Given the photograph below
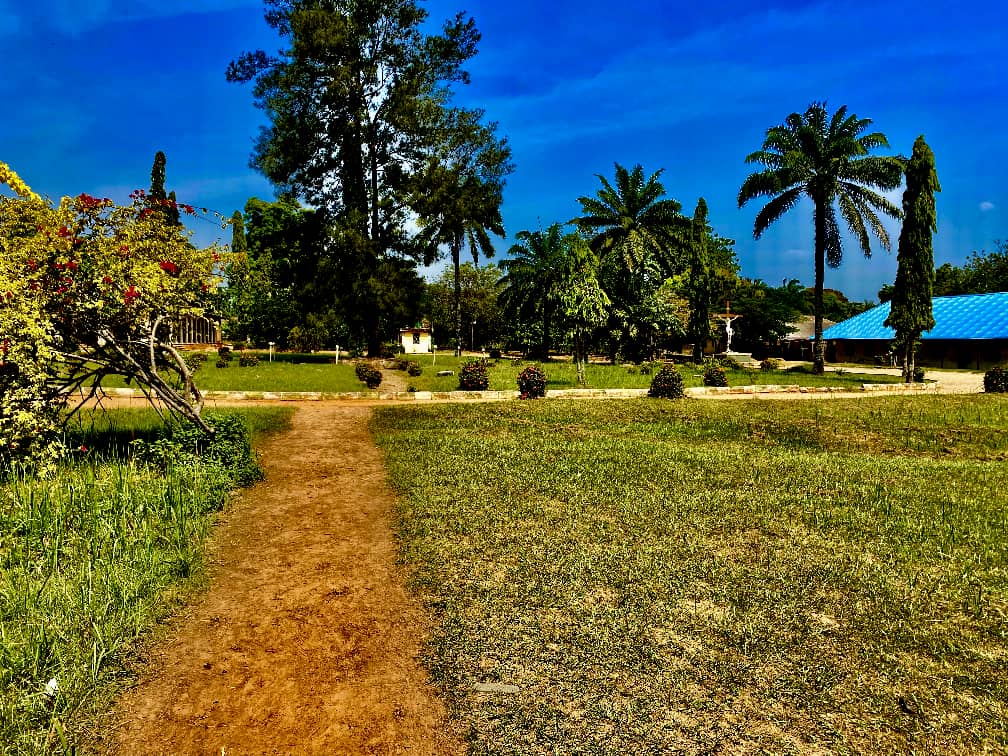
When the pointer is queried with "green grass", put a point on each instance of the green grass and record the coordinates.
(92, 557)
(291, 372)
(562, 375)
(702, 577)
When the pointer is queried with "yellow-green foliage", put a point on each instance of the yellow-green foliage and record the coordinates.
(81, 283)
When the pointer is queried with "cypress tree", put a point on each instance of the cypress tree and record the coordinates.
(699, 284)
(157, 198)
(910, 309)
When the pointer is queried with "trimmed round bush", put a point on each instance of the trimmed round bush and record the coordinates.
(473, 376)
(996, 380)
(715, 375)
(532, 382)
(222, 363)
(414, 369)
(246, 359)
(667, 384)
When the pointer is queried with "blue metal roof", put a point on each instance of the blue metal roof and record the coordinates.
(969, 316)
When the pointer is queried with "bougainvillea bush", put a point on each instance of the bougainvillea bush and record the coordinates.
(667, 384)
(90, 289)
(532, 383)
(996, 380)
(473, 376)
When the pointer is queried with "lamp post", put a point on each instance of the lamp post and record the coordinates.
(472, 337)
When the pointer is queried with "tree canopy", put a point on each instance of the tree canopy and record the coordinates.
(826, 158)
(359, 107)
(89, 289)
(910, 311)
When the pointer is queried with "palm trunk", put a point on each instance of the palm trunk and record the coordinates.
(456, 253)
(818, 348)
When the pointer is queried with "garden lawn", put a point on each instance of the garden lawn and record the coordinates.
(503, 375)
(315, 373)
(92, 556)
(696, 576)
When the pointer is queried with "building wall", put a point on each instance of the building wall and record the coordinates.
(415, 342)
(972, 354)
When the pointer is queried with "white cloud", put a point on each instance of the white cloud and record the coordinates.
(986, 207)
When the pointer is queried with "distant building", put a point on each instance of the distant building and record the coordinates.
(971, 331)
(196, 331)
(797, 345)
(416, 340)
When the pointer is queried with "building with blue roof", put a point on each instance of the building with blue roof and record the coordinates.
(971, 331)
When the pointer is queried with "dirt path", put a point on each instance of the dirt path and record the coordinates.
(306, 642)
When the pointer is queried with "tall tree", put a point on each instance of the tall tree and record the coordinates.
(583, 303)
(827, 159)
(460, 194)
(158, 199)
(356, 106)
(910, 308)
(632, 220)
(699, 281)
(528, 288)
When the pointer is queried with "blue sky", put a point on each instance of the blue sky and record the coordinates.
(92, 91)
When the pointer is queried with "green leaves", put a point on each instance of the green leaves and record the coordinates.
(825, 158)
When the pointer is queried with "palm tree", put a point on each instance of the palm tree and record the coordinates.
(827, 159)
(460, 198)
(632, 220)
(532, 276)
(467, 210)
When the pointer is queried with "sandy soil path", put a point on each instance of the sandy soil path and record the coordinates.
(306, 642)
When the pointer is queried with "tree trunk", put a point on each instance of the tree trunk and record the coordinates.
(456, 253)
(580, 357)
(818, 348)
(544, 346)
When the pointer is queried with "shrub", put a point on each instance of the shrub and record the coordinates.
(222, 363)
(771, 364)
(224, 353)
(714, 375)
(183, 444)
(248, 360)
(495, 353)
(645, 369)
(414, 369)
(918, 374)
(532, 382)
(730, 363)
(369, 376)
(473, 376)
(631, 370)
(996, 380)
(667, 384)
(195, 360)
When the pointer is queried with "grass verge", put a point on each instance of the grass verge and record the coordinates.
(701, 577)
(503, 375)
(92, 557)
